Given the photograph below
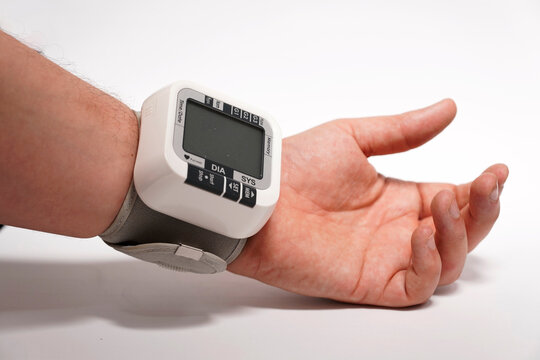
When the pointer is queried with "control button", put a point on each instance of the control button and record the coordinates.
(249, 196)
(205, 180)
(232, 190)
(254, 119)
(220, 169)
(246, 116)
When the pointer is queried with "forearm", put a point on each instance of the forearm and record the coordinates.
(67, 149)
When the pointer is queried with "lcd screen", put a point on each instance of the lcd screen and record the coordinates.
(223, 139)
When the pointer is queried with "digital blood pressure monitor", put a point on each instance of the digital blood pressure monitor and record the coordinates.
(207, 176)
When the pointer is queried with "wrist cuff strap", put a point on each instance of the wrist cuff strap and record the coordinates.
(151, 236)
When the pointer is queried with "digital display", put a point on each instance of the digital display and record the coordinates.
(223, 139)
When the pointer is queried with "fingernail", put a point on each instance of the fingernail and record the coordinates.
(495, 193)
(454, 210)
(431, 243)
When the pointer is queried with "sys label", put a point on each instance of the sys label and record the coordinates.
(248, 180)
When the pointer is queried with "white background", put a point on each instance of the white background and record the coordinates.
(305, 62)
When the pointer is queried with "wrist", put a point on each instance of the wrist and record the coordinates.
(248, 261)
(118, 161)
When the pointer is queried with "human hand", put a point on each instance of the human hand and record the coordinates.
(342, 231)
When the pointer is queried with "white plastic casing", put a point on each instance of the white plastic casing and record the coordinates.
(160, 173)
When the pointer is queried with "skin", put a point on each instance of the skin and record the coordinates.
(67, 149)
(361, 237)
(67, 152)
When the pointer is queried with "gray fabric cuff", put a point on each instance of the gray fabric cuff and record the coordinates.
(151, 236)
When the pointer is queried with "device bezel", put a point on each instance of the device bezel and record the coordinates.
(230, 110)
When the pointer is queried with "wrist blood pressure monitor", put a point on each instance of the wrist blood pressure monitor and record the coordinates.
(206, 177)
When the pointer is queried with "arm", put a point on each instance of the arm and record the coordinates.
(67, 153)
(68, 149)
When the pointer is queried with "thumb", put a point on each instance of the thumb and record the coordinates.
(397, 133)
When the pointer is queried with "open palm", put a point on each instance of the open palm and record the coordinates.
(341, 230)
